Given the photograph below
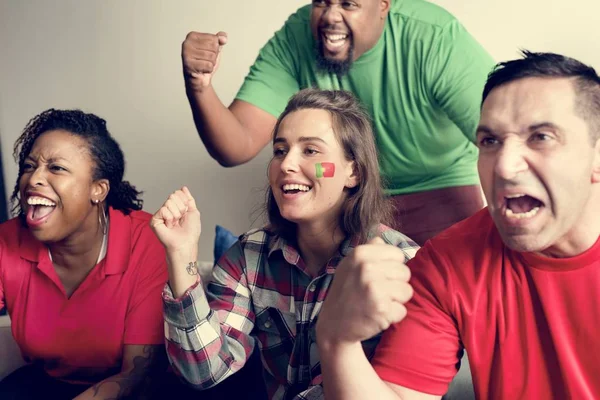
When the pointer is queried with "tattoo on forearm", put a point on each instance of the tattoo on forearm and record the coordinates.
(192, 268)
(127, 381)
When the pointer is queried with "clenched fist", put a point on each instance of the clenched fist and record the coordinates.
(200, 54)
(367, 295)
(177, 222)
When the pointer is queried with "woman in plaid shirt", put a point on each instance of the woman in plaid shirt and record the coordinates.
(325, 198)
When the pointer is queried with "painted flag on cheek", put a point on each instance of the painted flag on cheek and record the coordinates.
(325, 169)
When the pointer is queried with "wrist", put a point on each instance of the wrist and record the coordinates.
(182, 255)
(195, 87)
(333, 348)
(327, 337)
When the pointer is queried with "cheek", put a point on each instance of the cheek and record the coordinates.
(272, 169)
(315, 17)
(22, 181)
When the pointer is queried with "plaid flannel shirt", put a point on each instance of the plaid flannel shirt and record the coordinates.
(261, 291)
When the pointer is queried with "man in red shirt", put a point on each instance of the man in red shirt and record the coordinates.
(516, 285)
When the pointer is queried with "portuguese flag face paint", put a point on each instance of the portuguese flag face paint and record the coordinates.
(325, 169)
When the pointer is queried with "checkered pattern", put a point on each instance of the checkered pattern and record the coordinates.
(261, 292)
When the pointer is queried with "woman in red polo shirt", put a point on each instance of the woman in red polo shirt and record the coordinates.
(81, 272)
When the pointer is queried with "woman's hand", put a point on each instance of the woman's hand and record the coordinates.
(177, 223)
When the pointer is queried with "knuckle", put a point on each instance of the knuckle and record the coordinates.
(407, 272)
(410, 292)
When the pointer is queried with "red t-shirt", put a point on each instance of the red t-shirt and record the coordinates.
(80, 339)
(528, 323)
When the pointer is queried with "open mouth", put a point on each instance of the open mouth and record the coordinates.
(39, 209)
(295, 188)
(334, 41)
(522, 206)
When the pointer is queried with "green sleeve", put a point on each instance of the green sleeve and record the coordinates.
(272, 79)
(456, 70)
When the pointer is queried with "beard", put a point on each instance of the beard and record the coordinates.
(338, 67)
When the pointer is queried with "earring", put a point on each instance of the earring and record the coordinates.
(102, 219)
(96, 201)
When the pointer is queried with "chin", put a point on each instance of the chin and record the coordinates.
(526, 243)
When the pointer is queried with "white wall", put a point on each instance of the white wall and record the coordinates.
(121, 60)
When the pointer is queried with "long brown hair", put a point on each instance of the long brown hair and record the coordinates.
(365, 206)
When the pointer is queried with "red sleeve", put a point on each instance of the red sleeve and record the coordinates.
(144, 321)
(422, 351)
(1, 274)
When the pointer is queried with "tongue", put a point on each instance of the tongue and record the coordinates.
(38, 212)
(522, 204)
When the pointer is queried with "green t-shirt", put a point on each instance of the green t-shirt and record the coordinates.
(422, 84)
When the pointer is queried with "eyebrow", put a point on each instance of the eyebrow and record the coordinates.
(301, 139)
(482, 129)
(485, 130)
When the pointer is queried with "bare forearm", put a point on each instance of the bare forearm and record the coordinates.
(182, 275)
(221, 132)
(117, 386)
(141, 365)
(348, 375)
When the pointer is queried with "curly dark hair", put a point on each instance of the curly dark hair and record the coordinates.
(103, 149)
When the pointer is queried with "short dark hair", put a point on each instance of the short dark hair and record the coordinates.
(109, 162)
(551, 65)
(365, 206)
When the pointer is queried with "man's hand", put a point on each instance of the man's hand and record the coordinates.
(200, 53)
(368, 294)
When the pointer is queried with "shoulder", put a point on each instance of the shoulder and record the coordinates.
(296, 28)
(465, 246)
(10, 231)
(260, 239)
(9, 240)
(466, 233)
(300, 17)
(136, 222)
(421, 13)
(133, 231)
(400, 240)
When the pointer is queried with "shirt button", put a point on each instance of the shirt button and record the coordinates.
(312, 288)
(267, 324)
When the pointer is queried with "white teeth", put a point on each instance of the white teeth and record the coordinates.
(294, 186)
(334, 38)
(514, 196)
(40, 201)
(528, 214)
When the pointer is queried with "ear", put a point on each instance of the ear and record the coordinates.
(384, 7)
(100, 189)
(351, 174)
(596, 163)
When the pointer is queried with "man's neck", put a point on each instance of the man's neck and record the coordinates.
(584, 234)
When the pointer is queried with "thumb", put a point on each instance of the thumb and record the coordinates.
(191, 202)
(222, 36)
(376, 240)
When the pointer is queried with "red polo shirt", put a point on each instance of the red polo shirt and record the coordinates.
(80, 339)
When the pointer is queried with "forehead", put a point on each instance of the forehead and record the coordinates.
(60, 143)
(528, 101)
(307, 123)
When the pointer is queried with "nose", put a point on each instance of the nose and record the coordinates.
(37, 177)
(331, 15)
(511, 160)
(289, 162)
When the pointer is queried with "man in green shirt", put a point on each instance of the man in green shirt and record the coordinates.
(414, 67)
